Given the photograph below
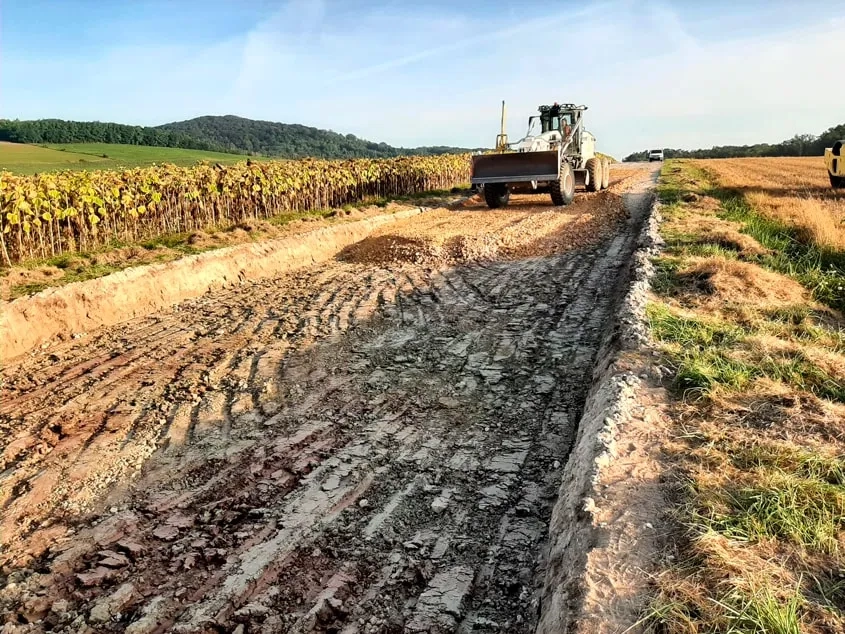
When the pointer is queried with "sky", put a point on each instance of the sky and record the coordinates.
(654, 73)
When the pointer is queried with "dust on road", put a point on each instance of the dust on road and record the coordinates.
(355, 447)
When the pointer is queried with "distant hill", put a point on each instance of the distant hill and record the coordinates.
(799, 145)
(237, 134)
(229, 134)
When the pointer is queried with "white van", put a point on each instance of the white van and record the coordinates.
(655, 155)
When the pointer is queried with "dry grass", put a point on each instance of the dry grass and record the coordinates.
(759, 369)
(722, 282)
(792, 190)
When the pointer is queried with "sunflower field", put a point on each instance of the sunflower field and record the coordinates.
(46, 215)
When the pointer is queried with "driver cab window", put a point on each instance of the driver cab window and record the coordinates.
(550, 123)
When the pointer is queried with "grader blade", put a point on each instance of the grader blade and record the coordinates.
(514, 167)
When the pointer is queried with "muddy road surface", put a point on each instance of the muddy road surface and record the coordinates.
(368, 445)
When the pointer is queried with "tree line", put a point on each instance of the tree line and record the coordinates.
(48, 131)
(231, 134)
(799, 145)
(291, 140)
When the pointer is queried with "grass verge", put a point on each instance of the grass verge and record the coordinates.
(746, 311)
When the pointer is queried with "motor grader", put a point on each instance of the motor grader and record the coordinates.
(834, 159)
(555, 156)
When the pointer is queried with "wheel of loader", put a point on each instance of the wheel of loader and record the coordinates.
(605, 173)
(563, 189)
(837, 182)
(496, 195)
(594, 170)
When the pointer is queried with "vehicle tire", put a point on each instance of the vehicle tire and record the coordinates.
(594, 171)
(496, 195)
(605, 173)
(837, 148)
(837, 182)
(563, 189)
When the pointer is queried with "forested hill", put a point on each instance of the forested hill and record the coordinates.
(799, 145)
(236, 134)
(59, 131)
(222, 134)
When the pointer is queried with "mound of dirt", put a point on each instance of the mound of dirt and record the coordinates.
(528, 227)
(391, 248)
(724, 281)
(20, 277)
(123, 255)
(394, 249)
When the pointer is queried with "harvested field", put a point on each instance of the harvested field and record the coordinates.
(792, 190)
(746, 316)
(365, 445)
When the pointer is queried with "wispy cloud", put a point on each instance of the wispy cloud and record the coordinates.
(541, 25)
(653, 73)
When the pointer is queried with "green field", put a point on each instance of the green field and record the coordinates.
(29, 159)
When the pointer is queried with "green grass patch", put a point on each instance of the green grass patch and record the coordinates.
(703, 353)
(779, 504)
(89, 271)
(821, 270)
(699, 350)
(21, 158)
(798, 461)
(758, 611)
(690, 332)
(787, 493)
(776, 501)
(698, 373)
(666, 281)
(177, 241)
(704, 249)
(762, 612)
(803, 374)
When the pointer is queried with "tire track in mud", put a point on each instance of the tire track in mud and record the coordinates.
(348, 448)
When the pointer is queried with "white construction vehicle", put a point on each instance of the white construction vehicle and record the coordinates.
(556, 156)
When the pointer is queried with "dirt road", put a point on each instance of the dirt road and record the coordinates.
(369, 445)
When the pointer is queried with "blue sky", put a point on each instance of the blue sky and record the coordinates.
(654, 73)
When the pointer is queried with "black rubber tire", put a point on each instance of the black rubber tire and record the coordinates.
(605, 173)
(837, 148)
(496, 195)
(837, 182)
(594, 172)
(563, 189)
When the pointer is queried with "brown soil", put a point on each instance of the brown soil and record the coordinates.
(527, 227)
(347, 447)
(23, 277)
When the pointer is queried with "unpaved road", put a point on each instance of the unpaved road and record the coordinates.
(368, 445)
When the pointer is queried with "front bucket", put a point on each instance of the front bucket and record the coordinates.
(515, 167)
